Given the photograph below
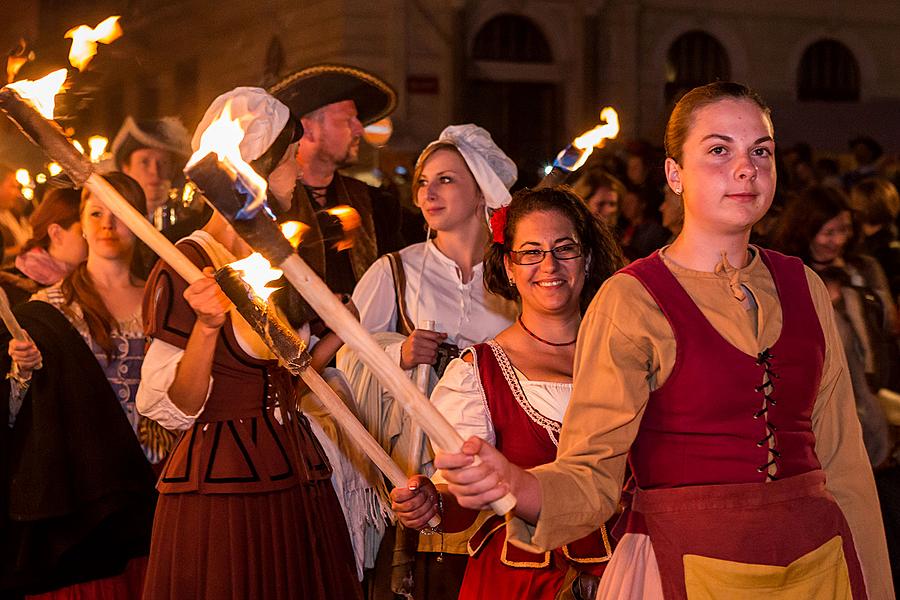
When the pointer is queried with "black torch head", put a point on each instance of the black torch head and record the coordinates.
(277, 335)
(238, 291)
(257, 228)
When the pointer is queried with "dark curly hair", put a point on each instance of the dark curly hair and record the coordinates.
(604, 254)
(806, 214)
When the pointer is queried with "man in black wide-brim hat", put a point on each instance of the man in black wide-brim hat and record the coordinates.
(334, 103)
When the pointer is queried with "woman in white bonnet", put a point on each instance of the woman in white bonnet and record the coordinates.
(459, 179)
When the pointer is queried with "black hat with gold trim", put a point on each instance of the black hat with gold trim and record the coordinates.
(319, 85)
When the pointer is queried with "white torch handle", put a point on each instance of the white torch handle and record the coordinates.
(342, 322)
(9, 319)
(423, 371)
(357, 432)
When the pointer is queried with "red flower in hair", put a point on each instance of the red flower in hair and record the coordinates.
(498, 223)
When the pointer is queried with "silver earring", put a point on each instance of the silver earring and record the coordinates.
(678, 192)
(512, 283)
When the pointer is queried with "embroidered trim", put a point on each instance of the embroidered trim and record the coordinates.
(593, 560)
(131, 328)
(479, 544)
(549, 425)
(523, 564)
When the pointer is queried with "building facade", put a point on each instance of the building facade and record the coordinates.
(533, 72)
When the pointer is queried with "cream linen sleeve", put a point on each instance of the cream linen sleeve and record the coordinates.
(840, 449)
(157, 374)
(375, 299)
(613, 376)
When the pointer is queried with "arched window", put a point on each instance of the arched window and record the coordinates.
(828, 71)
(511, 38)
(509, 93)
(695, 58)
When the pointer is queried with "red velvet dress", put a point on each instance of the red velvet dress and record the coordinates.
(496, 568)
(724, 460)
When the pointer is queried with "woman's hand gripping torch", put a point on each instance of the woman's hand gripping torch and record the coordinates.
(218, 178)
(250, 301)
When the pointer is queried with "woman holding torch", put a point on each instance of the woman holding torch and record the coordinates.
(458, 179)
(512, 390)
(715, 369)
(81, 495)
(246, 506)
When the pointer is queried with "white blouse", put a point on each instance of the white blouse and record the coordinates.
(466, 312)
(460, 398)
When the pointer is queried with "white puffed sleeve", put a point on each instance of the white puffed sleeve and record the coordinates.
(460, 398)
(157, 374)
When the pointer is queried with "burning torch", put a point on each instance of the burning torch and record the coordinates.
(573, 156)
(30, 106)
(220, 173)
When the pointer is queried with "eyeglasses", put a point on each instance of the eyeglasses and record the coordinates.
(534, 256)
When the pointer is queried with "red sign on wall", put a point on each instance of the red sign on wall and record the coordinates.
(422, 84)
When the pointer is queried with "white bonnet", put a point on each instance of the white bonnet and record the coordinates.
(260, 115)
(493, 170)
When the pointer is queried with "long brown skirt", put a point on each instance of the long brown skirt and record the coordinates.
(283, 545)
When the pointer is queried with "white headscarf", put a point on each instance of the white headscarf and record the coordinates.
(493, 170)
(262, 117)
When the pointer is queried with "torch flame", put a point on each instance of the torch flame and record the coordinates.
(17, 58)
(293, 231)
(257, 273)
(85, 40)
(587, 141)
(23, 177)
(13, 64)
(350, 220)
(97, 144)
(41, 93)
(224, 136)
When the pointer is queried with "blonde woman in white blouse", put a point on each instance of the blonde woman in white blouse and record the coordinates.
(458, 179)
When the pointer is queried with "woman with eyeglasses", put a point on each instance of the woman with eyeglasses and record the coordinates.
(512, 390)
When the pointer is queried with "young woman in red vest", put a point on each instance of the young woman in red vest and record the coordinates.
(714, 368)
(513, 390)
